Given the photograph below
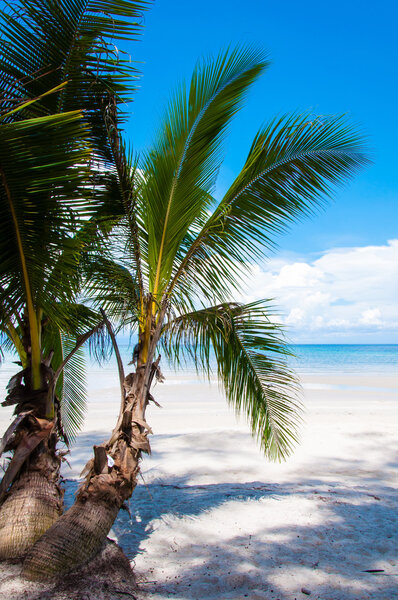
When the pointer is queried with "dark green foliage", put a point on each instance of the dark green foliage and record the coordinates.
(62, 82)
(41, 204)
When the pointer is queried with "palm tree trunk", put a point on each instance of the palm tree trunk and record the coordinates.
(73, 540)
(111, 478)
(31, 499)
(33, 504)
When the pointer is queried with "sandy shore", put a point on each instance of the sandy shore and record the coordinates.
(213, 520)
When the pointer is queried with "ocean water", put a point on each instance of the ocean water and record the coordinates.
(372, 359)
(356, 359)
(309, 359)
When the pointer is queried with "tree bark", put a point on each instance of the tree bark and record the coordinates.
(74, 539)
(112, 474)
(31, 499)
(33, 504)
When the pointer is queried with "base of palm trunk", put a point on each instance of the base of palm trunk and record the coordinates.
(111, 477)
(33, 505)
(107, 577)
(72, 541)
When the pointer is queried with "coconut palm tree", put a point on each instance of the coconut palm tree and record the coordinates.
(40, 199)
(60, 73)
(185, 255)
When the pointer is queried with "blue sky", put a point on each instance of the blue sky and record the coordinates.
(331, 58)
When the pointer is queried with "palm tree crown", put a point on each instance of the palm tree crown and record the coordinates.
(188, 253)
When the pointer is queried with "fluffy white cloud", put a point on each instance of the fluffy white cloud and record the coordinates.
(371, 317)
(348, 294)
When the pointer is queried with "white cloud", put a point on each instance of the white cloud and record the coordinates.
(347, 294)
(295, 317)
(371, 317)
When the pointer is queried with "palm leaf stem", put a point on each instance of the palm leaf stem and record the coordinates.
(166, 220)
(146, 317)
(27, 103)
(120, 367)
(137, 254)
(12, 333)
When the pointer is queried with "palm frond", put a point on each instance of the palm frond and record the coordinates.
(113, 287)
(121, 193)
(41, 201)
(41, 179)
(71, 389)
(100, 345)
(294, 165)
(44, 44)
(249, 353)
(73, 318)
(63, 342)
(181, 167)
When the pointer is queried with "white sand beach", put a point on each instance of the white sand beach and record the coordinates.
(212, 519)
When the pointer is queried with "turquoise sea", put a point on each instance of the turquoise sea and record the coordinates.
(331, 358)
(356, 359)
(346, 358)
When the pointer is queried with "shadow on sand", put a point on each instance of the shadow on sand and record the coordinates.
(355, 531)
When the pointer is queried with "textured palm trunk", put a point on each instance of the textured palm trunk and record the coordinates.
(111, 478)
(31, 499)
(33, 504)
(75, 538)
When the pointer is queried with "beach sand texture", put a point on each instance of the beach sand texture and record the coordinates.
(212, 519)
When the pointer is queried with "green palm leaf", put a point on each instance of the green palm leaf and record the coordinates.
(294, 164)
(121, 299)
(71, 389)
(40, 195)
(181, 167)
(45, 43)
(63, 338)
(249, 352)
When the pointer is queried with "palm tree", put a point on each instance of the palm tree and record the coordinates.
(185, 255)
(37, 318)
(60, 74)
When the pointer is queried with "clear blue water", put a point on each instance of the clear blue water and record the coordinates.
(346, 358)
(310, 358)
(332, 358)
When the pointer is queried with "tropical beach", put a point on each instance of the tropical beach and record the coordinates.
(198, 301)
(212, 519)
